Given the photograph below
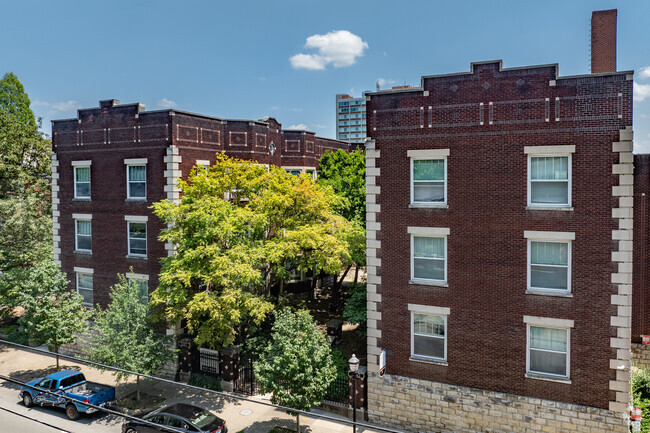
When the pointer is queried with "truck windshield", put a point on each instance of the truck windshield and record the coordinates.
(71, 380)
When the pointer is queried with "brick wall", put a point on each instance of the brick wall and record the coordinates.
(485, 120)
(641, 295)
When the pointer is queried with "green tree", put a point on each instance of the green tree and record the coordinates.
(345, 172)
(14, 99)
(297, 366)
(355, 310)
(126, 338)
(230, 252)
(53, 314)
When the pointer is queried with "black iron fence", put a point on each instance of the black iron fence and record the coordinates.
(246, 382)
(209, 361)
(338, 391)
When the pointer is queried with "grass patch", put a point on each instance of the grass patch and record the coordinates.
(147, 401)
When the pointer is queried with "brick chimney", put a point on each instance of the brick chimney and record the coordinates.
(603, 41)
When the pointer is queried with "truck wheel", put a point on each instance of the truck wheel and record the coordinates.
(27, 399)
(72, 412)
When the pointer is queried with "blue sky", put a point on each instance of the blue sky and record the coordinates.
(288, 59)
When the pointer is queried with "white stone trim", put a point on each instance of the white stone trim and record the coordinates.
(136, 218)
(83, 270)
(132, 276)
(428, 153)
(549, 150)
(622, 276)
(82, 216)
(173, 174)
(555, 236)
(86, 163)
(203, 162)
(56, 226)
(428, 231)
(373, 245)
(429, 309)
(548, 322)
(135, 161)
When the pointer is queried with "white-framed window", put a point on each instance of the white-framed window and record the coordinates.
(549, 176)
(81, 179)
(549, 262)
(137, 235)
(83, 232)
(136, 178)
(548, 348)
(84, 277)
(428, 255)
(142, 281)
(428, 333)
(428, 177)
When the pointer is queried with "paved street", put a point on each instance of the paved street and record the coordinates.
(247, 415)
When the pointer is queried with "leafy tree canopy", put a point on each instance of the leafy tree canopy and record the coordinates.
(230, 251)
(297, 366)
(126, 339)
(14, 99)
(345, 172)
(53, 314)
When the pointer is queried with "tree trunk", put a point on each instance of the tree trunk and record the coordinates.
(137, 387)
(56, 350)
(356, 275)
(298, 422)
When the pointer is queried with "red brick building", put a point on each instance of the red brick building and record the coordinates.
(500, 220)
(112, 162)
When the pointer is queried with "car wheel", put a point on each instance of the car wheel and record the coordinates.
(27, 399)
(72, 412)
(131, 430)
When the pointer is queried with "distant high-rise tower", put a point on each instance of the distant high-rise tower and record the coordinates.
(351, 118)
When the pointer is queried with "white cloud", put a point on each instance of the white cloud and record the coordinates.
(316, 125)
(385, 81)
(299, 126)
(275, 108)
(644, 116)
(58, 106)
(166, 103)
(642, 146)
(641, 91)
(644, 72)
(296, 109)
(340, 48)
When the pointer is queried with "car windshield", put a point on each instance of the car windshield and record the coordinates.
(202, 418)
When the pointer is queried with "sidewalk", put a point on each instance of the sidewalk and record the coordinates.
(241, 415)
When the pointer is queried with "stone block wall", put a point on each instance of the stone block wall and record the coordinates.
(424, 406)
(641, 354)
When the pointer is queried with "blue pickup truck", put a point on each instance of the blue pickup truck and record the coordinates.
(71, 384)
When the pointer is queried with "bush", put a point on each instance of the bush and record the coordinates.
(640, 381)
(205, 381)
(355, 310)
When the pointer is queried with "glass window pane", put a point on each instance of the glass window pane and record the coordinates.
(82, 174)
(84, 243)
(429, 324)
(137, 246)
(548, 339)
(549, 192)
(549, 253)
(429, 169)
(85, 281)
(429, 346)
(87, 295)
(429, 192)
(429, 247)
(548, 362)
(549, 167)
(138, 230)
(137, 173)
(547, 277)
(83, 227)
(137, 189)
(429, 269)
(83, 189)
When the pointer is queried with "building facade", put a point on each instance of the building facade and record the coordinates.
(500, 225)
(351, 118)
(111, 163)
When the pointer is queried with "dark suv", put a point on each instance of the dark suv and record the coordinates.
(179, 416)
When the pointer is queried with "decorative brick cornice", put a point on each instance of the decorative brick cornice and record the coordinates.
(622, 278)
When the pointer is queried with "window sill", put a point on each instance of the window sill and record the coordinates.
(548, 378)
(428, 206)
(560, 208)
(429, 283)
(83, 252)
(558, 293)
(428, 361)
(135, 199)
(86, 305)
(133, 256)
(81, 199)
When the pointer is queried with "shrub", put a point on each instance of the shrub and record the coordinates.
(205, 381)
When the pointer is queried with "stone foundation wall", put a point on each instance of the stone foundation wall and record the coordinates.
(641, 354)
(424, 406)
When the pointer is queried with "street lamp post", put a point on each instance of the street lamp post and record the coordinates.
(353, 362)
